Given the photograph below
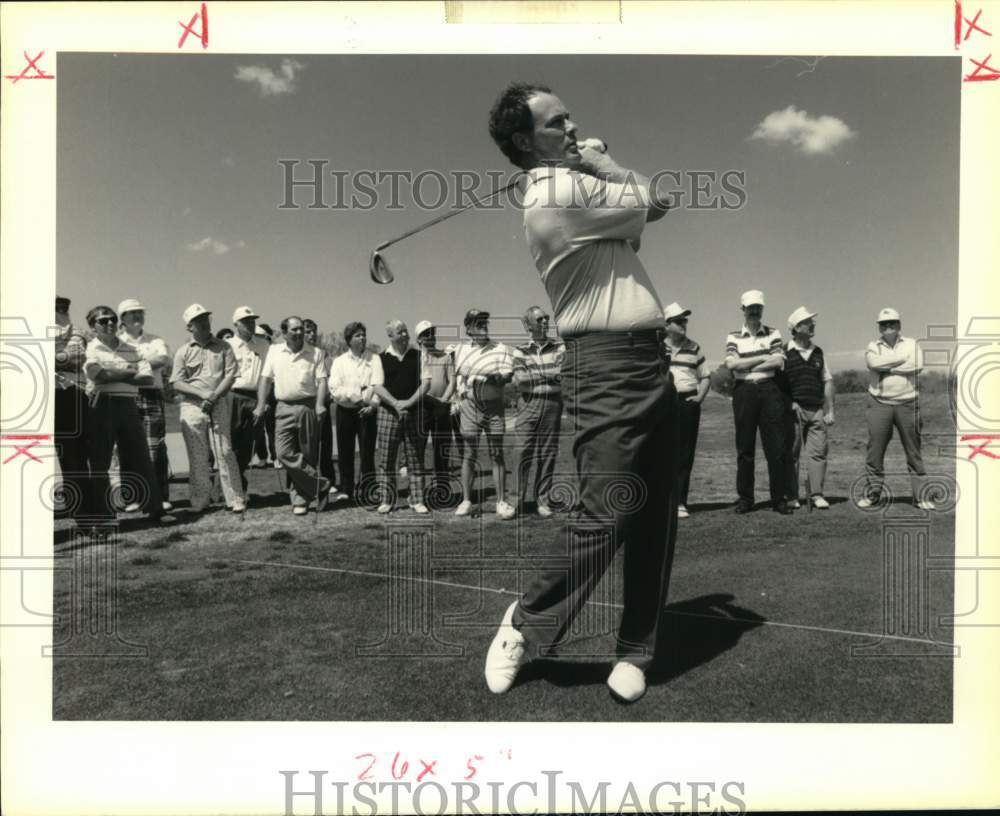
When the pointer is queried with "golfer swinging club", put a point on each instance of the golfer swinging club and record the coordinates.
(583, 217)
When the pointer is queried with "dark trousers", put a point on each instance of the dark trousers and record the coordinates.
(243, 431)
(326, 466)
(624, 410)
(115, 420)
(351, 428)
(882, 418)
(537, 431)
(264, 445)
(71, 444)
(759, 405)
(688, 422)
(435, 426)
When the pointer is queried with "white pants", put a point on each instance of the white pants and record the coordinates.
(202, 432)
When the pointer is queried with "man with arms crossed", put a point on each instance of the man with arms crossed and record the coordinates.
(893, 365)
(754, 354)
(583, 217)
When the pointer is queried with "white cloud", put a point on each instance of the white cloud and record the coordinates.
(269, 82)
(213, 245)
(810, 134)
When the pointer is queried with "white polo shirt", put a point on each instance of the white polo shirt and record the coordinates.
(353, 377)
(250, 358)
(581, 231)
(888, 386)
(296, 375)
(101, 356)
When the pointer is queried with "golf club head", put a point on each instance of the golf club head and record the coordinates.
(379, 269)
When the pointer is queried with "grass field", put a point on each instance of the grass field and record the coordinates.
(277, 617)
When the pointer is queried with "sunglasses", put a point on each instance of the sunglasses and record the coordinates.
(107, 320)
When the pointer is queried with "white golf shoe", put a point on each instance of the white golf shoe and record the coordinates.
(464, 508)
(506, 655)
(505, 510)
(543, 510)
(820, 503)
(682, 511)
(627, 682)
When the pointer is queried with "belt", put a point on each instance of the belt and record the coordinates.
(299, 401)
(687, 393)
(768, 381)
(245, 392)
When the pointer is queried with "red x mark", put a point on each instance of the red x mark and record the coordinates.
(973, 27)
(32, 63)
(34, 439)
(981, 449)
(978, 76)
(428, 769)
(189, 28)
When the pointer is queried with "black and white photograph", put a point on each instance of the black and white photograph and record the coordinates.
(508, 389)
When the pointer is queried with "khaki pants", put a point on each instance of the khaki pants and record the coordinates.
(809, 432)
(297, 434)
(203, 432)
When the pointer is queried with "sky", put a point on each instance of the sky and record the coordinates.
(169, 186)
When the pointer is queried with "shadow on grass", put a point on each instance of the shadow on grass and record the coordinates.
(692, 633)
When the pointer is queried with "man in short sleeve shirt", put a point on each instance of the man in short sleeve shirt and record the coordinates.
(754, 353)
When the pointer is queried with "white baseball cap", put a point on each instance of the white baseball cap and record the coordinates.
(888, 313)
(243, 311)
(800, 314)
(675, 310)
(752, 297)
(193, 311)
(423, 326)
(130, 305)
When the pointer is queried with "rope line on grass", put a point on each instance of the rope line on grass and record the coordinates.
(455, 585)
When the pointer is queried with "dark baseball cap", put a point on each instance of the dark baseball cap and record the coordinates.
(62, 303)
(475, 316)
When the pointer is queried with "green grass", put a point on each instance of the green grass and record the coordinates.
(234, 617)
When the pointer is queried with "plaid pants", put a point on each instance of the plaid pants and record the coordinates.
(150, 405)
(390, 432)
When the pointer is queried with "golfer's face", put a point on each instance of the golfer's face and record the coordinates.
(479, 328)
(310, 334)
(889, 329)
(754, 312)
(401, 335)
(358, 342)
(248, 325)
(554, 134)
(134, 319)
(807, 328)
(538, 324)
(295, 334)
(428, 339)
(677, 326)
(105, 324)
(201, 325)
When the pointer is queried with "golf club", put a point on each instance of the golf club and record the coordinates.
(379, 269)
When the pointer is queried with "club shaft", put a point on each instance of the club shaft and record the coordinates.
(447, 215)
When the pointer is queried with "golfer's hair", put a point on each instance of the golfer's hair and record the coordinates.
(352, 329)
(284, 323)
(510, 114)
(309, 323)
(96, 312)
(393, 325)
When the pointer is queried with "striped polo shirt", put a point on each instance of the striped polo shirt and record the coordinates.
(101, 356)
(687, 364)
(763, 344)
(538, 367)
